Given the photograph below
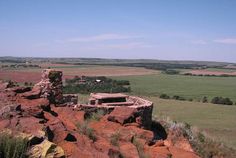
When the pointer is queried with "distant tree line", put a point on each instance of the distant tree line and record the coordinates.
(171, 72)
(209, 75)
(214, 100)
(87, 85)
(21, 66)
(161, 66)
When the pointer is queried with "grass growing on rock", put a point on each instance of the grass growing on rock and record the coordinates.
(115, 137)
(86, 130)
(12, 147)
(96, 116)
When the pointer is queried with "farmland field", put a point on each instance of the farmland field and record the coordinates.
(69, 71)
(194, 87)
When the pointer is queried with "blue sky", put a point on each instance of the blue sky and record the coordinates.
(151, 29)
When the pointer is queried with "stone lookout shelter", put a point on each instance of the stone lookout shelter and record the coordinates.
(109, 99)
(141, 108)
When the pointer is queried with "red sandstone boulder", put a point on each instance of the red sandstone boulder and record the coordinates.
(179, 153)
(122, 115)
(21, 89)
(159, 152)
(128, 150)
(33, 94)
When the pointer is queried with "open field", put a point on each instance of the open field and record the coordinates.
(194, 87)
(69, 71)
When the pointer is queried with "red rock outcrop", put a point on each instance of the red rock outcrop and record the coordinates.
(67, 132)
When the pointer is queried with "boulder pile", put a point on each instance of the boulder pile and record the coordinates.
(64, 131)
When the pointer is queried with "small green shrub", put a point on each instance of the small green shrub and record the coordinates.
(176, 97)
(12, 147)
(86, 130)
(164, 96)
(171, 72)
(204, 99)
(96, 116)
(221, 100)
(115, 138)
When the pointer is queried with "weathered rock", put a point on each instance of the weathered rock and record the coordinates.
(159, 152)
(176, 138)
(33, 94)
(3, 85)
(46, 149)
(122, 115)
(128, 150)
(21, 89)
(179, 153)
(9, 111)
(35, 107)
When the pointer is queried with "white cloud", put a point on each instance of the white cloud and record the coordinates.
(131, 45)
(226, 41)
(200, 42)
(97, 38)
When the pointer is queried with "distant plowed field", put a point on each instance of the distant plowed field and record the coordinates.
(210, 72)
(69, 71)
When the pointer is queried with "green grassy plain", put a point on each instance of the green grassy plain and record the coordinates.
(194, 87)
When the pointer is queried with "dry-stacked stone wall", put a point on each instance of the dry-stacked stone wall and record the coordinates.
(51, 85)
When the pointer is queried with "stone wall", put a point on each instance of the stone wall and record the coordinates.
(51, 85)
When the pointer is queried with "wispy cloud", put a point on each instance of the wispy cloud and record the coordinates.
(131, 45)
(200, 42)
(97, 38)
(226, 41)
(125, 46)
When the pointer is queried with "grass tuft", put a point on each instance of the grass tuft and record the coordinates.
(12, 147)
(115, 137)
(86, 130)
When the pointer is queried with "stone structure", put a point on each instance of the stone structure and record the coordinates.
(141, 115)
(50, 86)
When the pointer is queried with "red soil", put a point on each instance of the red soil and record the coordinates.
(207, 72)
